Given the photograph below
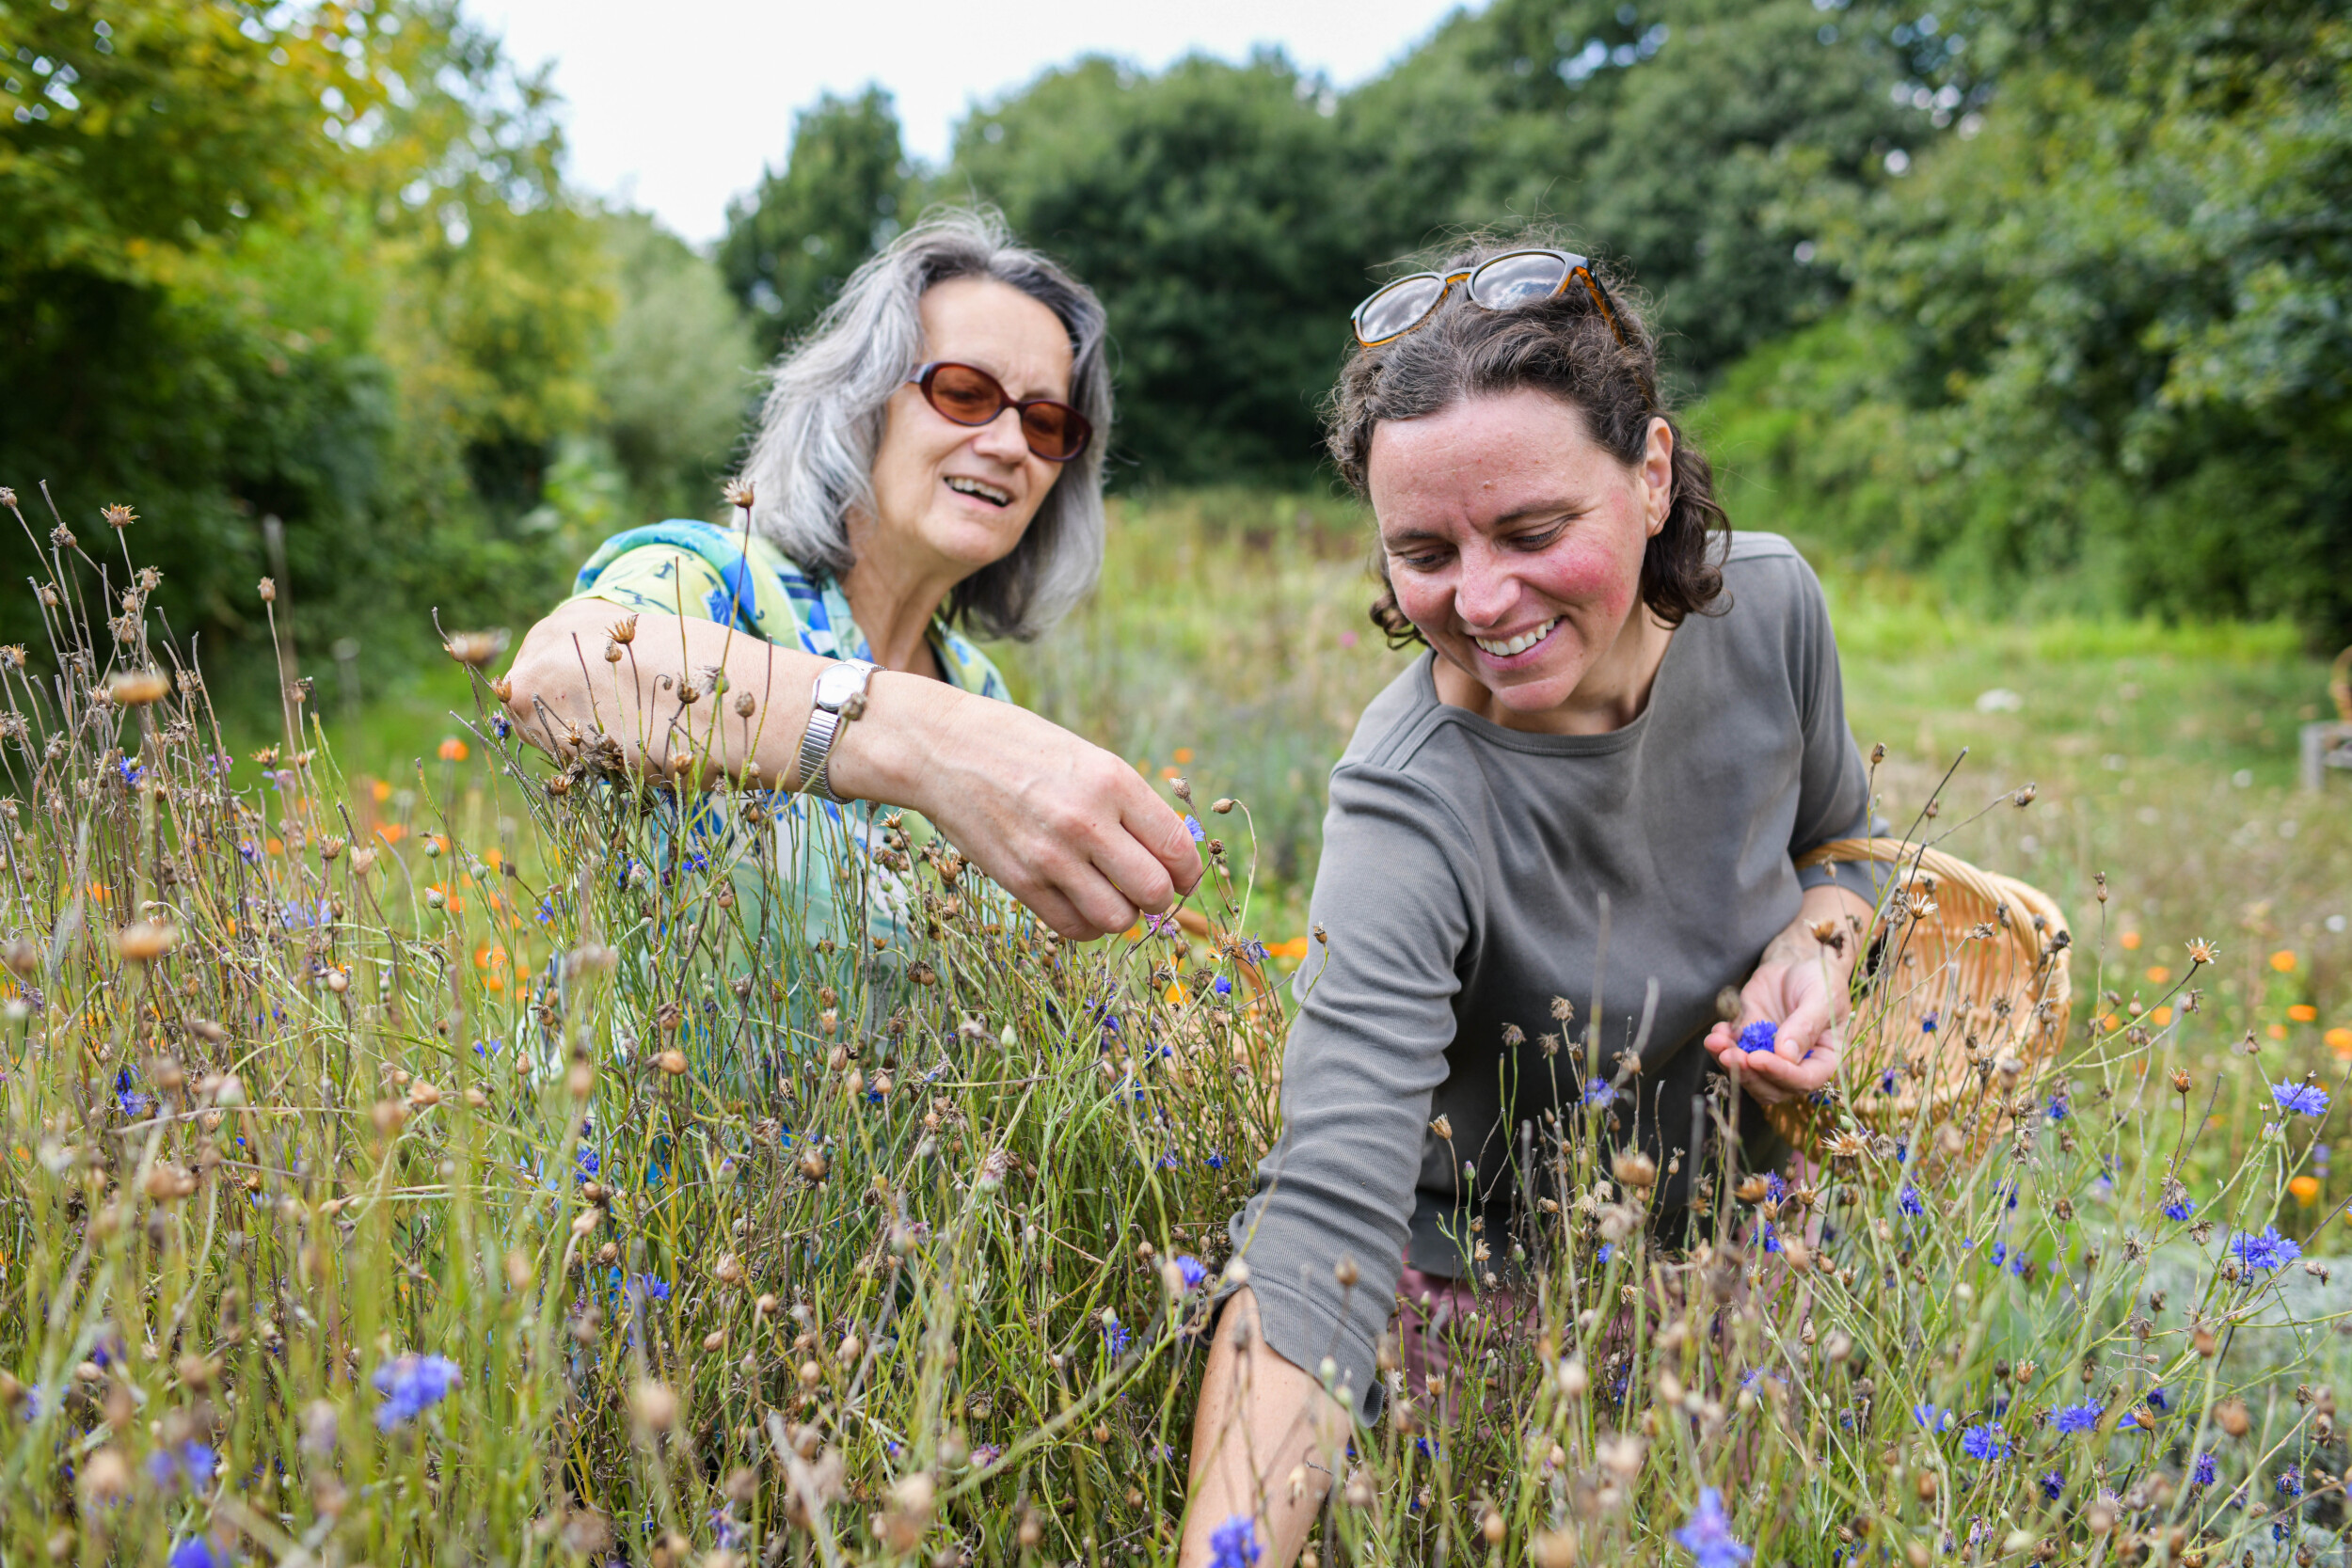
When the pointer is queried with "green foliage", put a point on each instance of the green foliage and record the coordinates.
(307, 264)
(2097, 346)
(790, 247)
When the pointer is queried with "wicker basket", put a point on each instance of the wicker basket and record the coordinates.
(1966, 967)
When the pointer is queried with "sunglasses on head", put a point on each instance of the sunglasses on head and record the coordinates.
(968, 395)
(1501, 283)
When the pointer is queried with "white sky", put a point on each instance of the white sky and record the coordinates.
(676, 106)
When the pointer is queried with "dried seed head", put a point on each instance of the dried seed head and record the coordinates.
(1878, 755)
(2024, 797)
(672, 1061)
(268, 590)
(1552, 1549)
(738, 493)
(147, 940)
(2230, 1416)
(1443, 1127)
(1180, 788)
(745, 704)
(137, 688)
(1636, 1169)
(475, 649)
(1345, 1272)
(121, 516)
(656, 1405)
(421, 1094)
(624, 631)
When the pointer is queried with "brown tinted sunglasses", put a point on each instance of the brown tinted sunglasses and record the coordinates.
(970, 396)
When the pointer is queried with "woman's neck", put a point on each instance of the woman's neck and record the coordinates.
(895, 610)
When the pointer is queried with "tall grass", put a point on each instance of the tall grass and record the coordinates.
(501, 1173)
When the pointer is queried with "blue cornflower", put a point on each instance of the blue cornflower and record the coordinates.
(1927, 1024)
(1985, 1442)
(2058, 1106)
(2291, 1482)
(1233, 1544)
(724, 1530)
(2307, 1099)
(1607, 1250)
(132, 772)
(1707, 1534)
(1909, 1201)
(411, 1385)
(2053, 1485)
(1771, 1239)
(1425, 1448)
(1932, 1417)
(132, 1103)
(643, 1288)
(1115, 1335)
(587, 1163)
(2179, 1210)
(1886, 1082)
(1213, 1160)
(2268, 1250)
(501, 725)
(196, 1552)
(2079, 1417)
(2021, 1266)
(1253, 951)
(251, 850)
(2159, 1401)
(1774, 1188)
(1192, 826)
(1221, 986)
(1601, 1092)
(2203, 1473)
(546, 912)
(2000, 1253)
(1191, 1268)
(1759, 1035)
(190, 1464)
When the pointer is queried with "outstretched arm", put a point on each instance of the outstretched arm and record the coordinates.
(1267, 1444)
(1062, 825)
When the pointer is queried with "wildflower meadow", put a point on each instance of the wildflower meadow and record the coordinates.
(485, 1166)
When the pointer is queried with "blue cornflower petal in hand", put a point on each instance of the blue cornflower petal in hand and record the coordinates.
(1759, 1035)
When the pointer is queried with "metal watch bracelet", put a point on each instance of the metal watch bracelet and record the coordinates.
(837, 698)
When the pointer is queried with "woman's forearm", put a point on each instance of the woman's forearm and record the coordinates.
(1267, 1444)
(1061, 824)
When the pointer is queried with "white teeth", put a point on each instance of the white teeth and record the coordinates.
(1520, 644)
(979, 487)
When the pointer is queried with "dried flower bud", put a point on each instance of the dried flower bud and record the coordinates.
(268, 590)
(147, 940)
(745, 704)
(137, 688)
(2024, 797)
(1878, 755)
(121, 516)
(656, 1405)
(2231, 1416)
(475, 649)
(672, 1061)
(738, 493)
(1345, 1272)
(1636, 1169)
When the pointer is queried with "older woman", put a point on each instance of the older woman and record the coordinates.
(930, 459)
(1622, 725)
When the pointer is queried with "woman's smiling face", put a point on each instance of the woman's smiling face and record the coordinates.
(1514, 542)
(952, 497)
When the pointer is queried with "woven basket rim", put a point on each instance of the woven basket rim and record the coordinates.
(1963, 898)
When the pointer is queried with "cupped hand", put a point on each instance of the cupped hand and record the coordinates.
(1806, 1013)
(1060, 823)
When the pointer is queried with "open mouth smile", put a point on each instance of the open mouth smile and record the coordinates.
(1512, 646)
(981, 488)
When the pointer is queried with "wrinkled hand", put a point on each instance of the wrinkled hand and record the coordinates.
(1806, 1011)
(1061, 824)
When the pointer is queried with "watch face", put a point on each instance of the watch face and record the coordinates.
(838, 684)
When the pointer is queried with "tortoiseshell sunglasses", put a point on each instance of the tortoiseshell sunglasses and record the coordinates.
(1514, 279)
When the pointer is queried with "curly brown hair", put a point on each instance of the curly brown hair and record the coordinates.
(1562, 346)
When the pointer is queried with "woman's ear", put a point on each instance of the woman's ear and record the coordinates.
(1658, 473)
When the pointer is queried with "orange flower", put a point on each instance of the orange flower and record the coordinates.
(2340, 1042)
(1170, 773)
(1183, 754)
(2276, 1031)
(275, 845)
(2108, 1023)
(1294, 948)
(1176, 994)
(452, 750)
(382, 790)
(392, 832)
(2306, 1190)
(2131, 942)
(2283, 960)
(2158, 974)
(2303, 1012)
(2163, 1016)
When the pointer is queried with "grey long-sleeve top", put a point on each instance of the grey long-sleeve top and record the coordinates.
(1461, 881)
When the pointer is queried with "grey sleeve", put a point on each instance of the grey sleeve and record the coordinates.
(1365, 1052)
(1834, 790)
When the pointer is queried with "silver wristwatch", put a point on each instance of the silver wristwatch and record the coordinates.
(839, 697)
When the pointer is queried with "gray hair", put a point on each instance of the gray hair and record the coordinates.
(812, 462)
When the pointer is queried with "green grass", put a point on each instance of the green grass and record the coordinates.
(869, 1267)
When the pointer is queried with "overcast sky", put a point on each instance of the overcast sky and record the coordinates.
(677, 106)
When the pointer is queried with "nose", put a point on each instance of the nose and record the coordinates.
(1001, 439)
(1487, 589)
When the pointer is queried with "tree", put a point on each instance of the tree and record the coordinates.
(788, 249)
